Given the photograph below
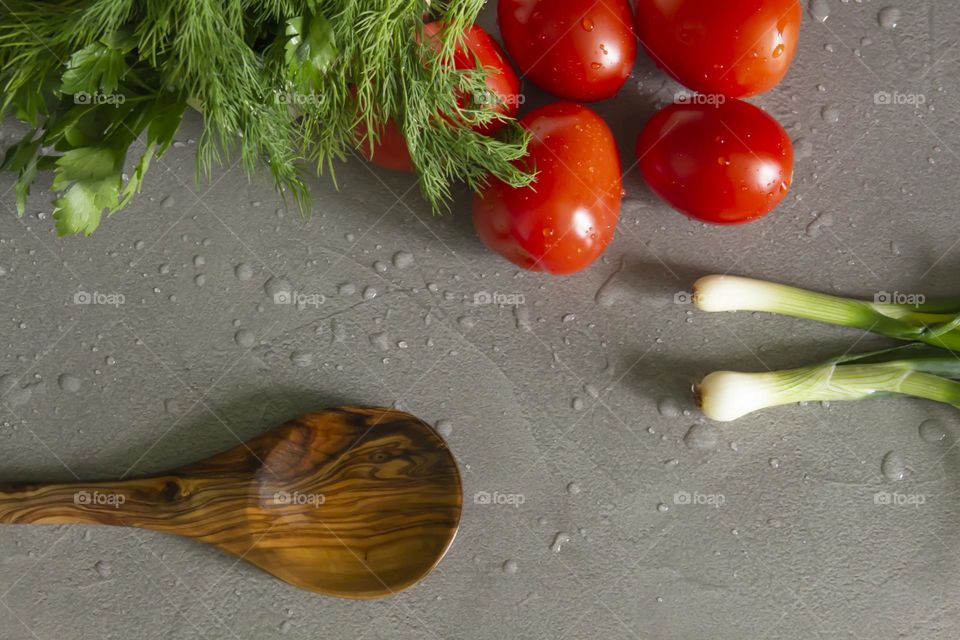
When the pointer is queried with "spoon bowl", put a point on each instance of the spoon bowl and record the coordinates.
(353, 502)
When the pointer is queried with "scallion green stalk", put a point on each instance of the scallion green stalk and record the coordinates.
(935, 323)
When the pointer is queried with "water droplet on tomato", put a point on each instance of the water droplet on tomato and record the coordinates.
(587, 24)
(778, 51)
(595, 65)
(548, 232)
(723, 161)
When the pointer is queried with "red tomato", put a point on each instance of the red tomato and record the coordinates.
(566, 219)
(735, 47)
(725, 164)
(576, 49)
(390, 151)
(503, 95)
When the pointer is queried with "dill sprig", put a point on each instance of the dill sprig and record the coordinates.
(285, 82)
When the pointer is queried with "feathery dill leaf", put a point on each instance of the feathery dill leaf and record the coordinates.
(280, 82)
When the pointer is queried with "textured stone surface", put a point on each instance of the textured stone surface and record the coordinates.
(559, 418)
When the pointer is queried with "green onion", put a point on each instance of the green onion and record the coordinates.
(913, 370)
(936, 323)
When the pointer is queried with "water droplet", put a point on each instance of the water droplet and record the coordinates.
(893, 467)
(587, 24)
(200, 280)
(402, 259)
(510, 566)
(380, 340)
(103, 569)
(830, 114)
(277, 286)
(933, 430)
(815, 227)
(68, 383)
(668, 407)
(444, 427)
(573, 488)
(338, 330)
(802, 148)
(521, 318)
(612, 289)
(559, 540)
(168, 202)
(778, 51)
(14, 394)
(662, 508)
(171, 406)
(245, 338)
(369, 293)
(774, 463)
(701, 436)
(199, 261)
(347, 289)
(379, 266)
(819, 10)
(577, 404)
(301, 358)
(889, 17)
(243, 272)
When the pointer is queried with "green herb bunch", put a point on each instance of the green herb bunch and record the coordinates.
(286, 83)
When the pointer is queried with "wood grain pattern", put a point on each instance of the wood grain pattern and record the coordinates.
(353, 502)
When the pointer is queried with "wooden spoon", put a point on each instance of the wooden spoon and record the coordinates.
(352, 502)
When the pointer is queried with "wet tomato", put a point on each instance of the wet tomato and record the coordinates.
(575, 49)
(503, 95)
(727, 163)
(566, 219)
(735, 47)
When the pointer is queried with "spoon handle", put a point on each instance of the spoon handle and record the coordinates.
(143, 502)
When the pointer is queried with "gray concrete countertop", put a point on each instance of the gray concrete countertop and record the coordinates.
(553, 403)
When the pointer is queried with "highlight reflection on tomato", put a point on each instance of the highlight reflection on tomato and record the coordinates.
(724, 164)
(736, 48)
(566, 219)
(575, 49)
